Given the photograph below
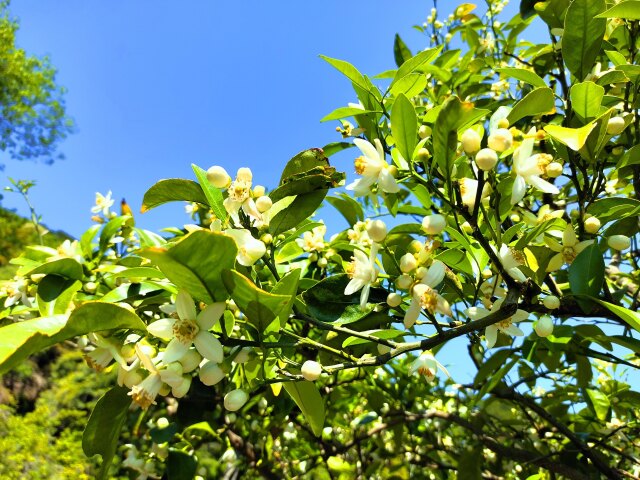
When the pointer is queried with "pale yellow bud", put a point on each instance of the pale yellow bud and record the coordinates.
(421, 272)
(218, 177)
(500, 140)
(377, 230)
(592, 225)
(434, 224)
(470, 141)
(404, 281)
(615, 126)
(551, 302)
(487, 273)
(394, 299)
(258, 191)
(544, 327)
(424, 131)
(486, 159)
(408, 263)
(554, 169)
(311, 370)
(244, 175)
(263, 203)
(619, 242)
(235, 399)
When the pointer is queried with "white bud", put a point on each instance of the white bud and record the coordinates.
(424, 131)
(408, 263)
(394, 299)
(500, 140)
(486, 159)
(311, 370)
(421, 272)
(190, 360)
(263, 203)
(619, 242)
(487, 273)
(218, 177)
(244, 174)
(182, 388)
(404, 281)
(470, 141)
(592, 225)
(377, 230)
(467, 228)
(434, 224)
(162, 422)
(90, 287)
(551, 302)
(211, 373)
(615, 126)
(544, 327)
(554, 169)
(258, 191)
(235, 399)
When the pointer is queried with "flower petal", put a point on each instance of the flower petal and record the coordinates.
(582, 245)
(542, 185)
(174, 351)
(555, 263)
(412, 314)
(209, 346)
(353, 286)
(435, 274)
(476, 313)
(519, 189)
(366, 148)
(387, 182)
(491, 335)
(162, 328)
(210, 315)
(513, 330)
(185, 306)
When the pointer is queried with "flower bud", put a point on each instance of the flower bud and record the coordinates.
(500, 140)
(190, 360)
(322, 262)
(544, 327)
(267, 239)
(408, 263)
(619, 242)
(615, 126)
(244, 174)
(592, 225)
(90, 287)
(258, 191)
(235, 399)
(424, 131)
(434, 224)
(311, 370)
(162, 422)
(404, 281)
(182, 388)
(467, 228)
(423, 154)
(218, 177)
(243, 355)
(551, 302)
(515, 218)
(470, 141)
(554, 169)
(487, 273)
(263, 203)
(503, 123)
(211, 373)
(486, 159)
(421, 272)
(377, 230)
(394, 299)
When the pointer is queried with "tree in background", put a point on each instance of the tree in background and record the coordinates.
(32, 111)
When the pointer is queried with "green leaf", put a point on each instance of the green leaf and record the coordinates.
(404, 126)
(523, 75)
(383, 334)
(352, 74)
(415, 63)
(101, 434)
(87, 239)
(213, 194)
(454, 115)
(586, 99)
(615, 208)
(344, 112)
(65, 267)
(335, 147)
(320, 178)
(260, 307)
(172, 190)
(582, 37)
(303, 206)
(537, 102)
(350, 209)
(554, 12)
(309, 401)
(287, 286)
(19, 340)
(181, 465)
(409, 86)
(303, 163)
(574, 138)
(629, 316)
(599, 403)
(55, 293)
(401, 52)
(629, 10)
(196, 263)
(112, 228)
(586, 272)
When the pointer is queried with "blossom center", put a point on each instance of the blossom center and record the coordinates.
(427, 372)
(429, 300)
(504, 324)
(239, 190)
(517, 255)
(360, 164)
(185, 330)
(569, 254)
(544, 159)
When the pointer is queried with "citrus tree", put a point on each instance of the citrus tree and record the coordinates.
(494, 220)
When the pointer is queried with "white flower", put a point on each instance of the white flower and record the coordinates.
(190, 329)
(250, 249)
(313, 241)
(528, 169)
(103, 204)
(363, 273)
(210, 373)
(424, 295)
(145, 393)
(506, 326)
(106, 351)
(16, 291)
(511, 260)
(239, 196)
(567, 251)
(373, 167)
(427, 365)
(469, 191)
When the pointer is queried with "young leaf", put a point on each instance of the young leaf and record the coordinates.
(415, 63)
(352, 74)
(19, 340)
(213, 194)
(582, 37)
(309, 401)
(401, 52)
(586, 98)
(172, 190)
(628, 9)
(523, 75)
(196, 263)
(101, 434)
(574, 138)
(344, 112)
(537, 102)
(629, 316)
(404, 126)
(586, 272)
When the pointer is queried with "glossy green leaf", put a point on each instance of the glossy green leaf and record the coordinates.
(19, 340)
(101, 434)
(172, 190)
(409, 86)
(627, 9)
(415, 63)
(86, 241)
(352, 74)
(583, 34)
(629, 316)
(404, 126)
(586, 99)
(307, 398)
(540, 101)
(260, 307)
(112, 228)
(303, 206)
(304, 163)
(344, 112)
(383, 334)
(614, 208)
(335, 147)
(599, 402)
(350, 209)
(586, 272)
(213, 194)
(65, 267)
(553, 12)
(181, 465)
(320, 178)
(196, 262)
(287, 286)
(574, 138)
(55, 294)
(523, 75)
(401, 52)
